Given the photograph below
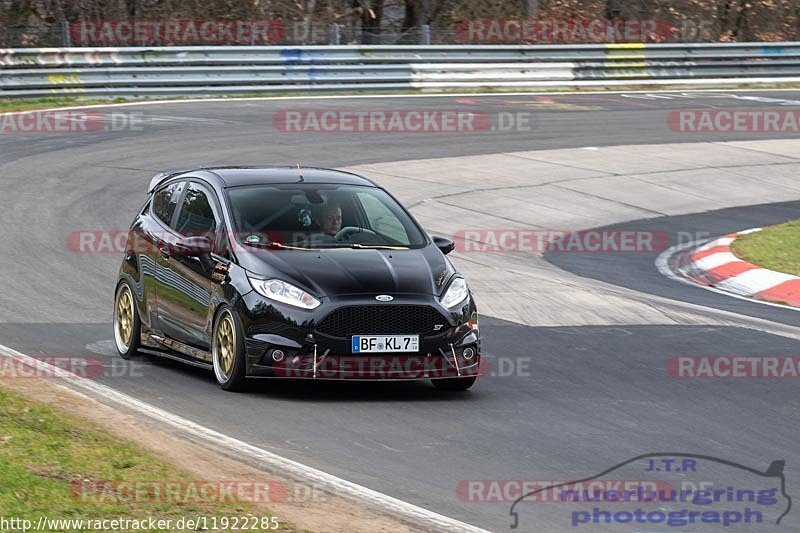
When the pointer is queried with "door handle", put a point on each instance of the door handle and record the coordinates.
(164, 252)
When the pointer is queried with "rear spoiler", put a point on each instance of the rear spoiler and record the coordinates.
(163, 176)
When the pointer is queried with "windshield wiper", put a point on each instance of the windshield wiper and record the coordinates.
(277, 245)
(378, 246)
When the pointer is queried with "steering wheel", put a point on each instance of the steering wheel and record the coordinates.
(349, 230)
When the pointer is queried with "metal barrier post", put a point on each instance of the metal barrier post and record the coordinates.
(65, 38)
(335, 37)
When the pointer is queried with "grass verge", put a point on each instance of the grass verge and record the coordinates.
(776, 248)
(46, 454)
(28, 104)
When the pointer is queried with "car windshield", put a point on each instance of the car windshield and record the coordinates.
(321, 216)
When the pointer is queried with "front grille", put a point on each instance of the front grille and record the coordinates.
(383, 320)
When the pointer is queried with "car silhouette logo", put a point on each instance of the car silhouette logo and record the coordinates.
(384, 298)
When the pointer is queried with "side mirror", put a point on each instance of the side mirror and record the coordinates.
(444, 244)
(193, 246)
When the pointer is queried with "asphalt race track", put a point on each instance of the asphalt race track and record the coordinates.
(585, 337)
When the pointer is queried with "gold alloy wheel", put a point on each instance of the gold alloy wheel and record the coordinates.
(124, 318)
(225, 346)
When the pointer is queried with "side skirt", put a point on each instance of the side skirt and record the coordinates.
(177, 351)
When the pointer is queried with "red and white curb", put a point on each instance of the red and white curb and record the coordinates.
(714, 265)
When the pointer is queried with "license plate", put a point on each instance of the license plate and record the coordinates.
(385, 343)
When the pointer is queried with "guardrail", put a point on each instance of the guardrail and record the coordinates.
(179, 71)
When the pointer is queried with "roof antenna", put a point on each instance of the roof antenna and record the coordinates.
(299, 172)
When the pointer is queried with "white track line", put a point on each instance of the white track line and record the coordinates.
(237, 448)
(662, 264)
(722, 241)
(749, 231)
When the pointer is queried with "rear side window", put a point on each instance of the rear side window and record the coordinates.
(166, 200)
(196, 216)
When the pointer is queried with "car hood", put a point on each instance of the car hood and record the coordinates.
(348, 271)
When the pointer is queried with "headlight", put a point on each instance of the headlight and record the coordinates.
(283, 292)
(456, 293)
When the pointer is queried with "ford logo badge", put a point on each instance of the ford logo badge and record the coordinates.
(384, 298)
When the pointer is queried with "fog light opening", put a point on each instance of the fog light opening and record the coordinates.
(468, 353)
(278, 355)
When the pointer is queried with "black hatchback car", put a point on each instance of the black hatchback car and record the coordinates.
(292, 273)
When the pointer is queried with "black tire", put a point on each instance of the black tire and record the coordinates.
(127, 325)
(231, 375)
(454, 384)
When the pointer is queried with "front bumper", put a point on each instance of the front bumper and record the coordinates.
(306, 352)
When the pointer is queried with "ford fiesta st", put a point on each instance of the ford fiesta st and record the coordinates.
(292, 273)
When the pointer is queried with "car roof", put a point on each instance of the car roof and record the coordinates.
(242, 176)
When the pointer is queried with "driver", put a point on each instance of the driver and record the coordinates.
(329, 219)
